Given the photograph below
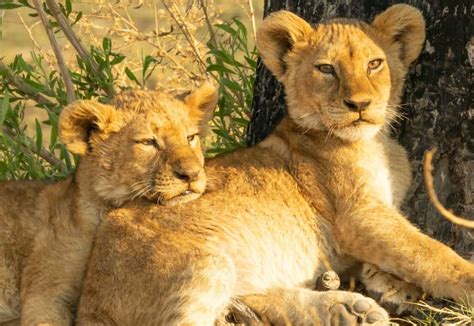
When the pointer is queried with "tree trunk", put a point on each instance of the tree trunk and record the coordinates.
(438, 107)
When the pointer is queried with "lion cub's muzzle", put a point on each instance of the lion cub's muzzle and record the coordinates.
(190, 181)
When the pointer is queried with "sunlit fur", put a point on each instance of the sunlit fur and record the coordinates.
(47, 228)
(316, 194)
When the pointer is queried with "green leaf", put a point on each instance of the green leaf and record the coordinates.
(107, 45)
(131, 76)
(53, 119)
(68, 7)
(251, 62)
(25, 3)
(226, 57)
(240, 25)
(39, 136)
(147, 61)
(5, 107)
(78, 17)
(10, 5)
(219, 68)
(117, 59)
(64, 155)
(227, 28)
(231, 84)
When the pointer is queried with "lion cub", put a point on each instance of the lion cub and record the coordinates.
(317, 194)
(146, 144)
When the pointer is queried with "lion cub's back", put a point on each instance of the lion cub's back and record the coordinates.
(18, 204)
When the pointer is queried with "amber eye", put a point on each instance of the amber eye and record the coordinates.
(148, 142)
(374, 64)
(191, 138)
(326, 69)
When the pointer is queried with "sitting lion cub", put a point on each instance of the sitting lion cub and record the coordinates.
(317, 194)
(150, 150)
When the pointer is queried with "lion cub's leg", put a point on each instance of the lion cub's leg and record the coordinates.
(52, 277)
(388, 289)
(175, 280)
(380, 235)
(307, 307)
(193, 292)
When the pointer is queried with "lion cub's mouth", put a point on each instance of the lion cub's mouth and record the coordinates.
(361, 121)
(184, 197)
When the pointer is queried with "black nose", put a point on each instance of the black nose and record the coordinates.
(356, 106)
(186, 170)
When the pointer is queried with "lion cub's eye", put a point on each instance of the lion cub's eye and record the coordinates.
(192, 138)
(374, 64)
(326, 69)
(148, 142)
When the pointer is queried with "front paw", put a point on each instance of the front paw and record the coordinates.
(392, 293)
(304, 307)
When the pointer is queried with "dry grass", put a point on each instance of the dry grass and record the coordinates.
(441, 314)
(174, 33)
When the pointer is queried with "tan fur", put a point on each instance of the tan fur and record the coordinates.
(46, 229)
(321, 193)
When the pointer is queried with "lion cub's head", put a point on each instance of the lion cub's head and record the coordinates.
(145, 144)
(343, 76)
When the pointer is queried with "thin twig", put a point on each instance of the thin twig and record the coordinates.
(252, 20)
(33, 94)
(208, 23)
(29, 29)
(67, 30)
(71, 96)
(182, 26)
(427, 171)
(65, 26)
(30, 145)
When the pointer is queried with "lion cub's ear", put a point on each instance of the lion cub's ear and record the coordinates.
(202, 103)
(405, 26)
(80, 118)
(277, 35)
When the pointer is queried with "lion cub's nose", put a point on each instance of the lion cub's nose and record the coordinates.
(186, 169)
(356, 106)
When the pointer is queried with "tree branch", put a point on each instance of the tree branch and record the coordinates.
(427, 171)
(71, 96)
(63, 23)
(30, 145)
(9, 75)
(67, 30)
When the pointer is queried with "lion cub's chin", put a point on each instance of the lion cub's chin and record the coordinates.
(184, 197)
(363, 131)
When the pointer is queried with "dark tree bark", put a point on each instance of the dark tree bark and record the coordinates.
(438, 108)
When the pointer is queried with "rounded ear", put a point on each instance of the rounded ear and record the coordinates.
(403, 25)
(202, 103)
(80, 118)
(276, 37)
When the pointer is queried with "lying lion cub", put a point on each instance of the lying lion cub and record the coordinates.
(150, 150)
(315, 195)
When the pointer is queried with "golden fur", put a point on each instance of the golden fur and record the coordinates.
(143, 145)
(320, 193)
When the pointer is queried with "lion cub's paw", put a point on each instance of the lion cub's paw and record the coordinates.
(393, 293)
(347, 308)
(305, 307)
